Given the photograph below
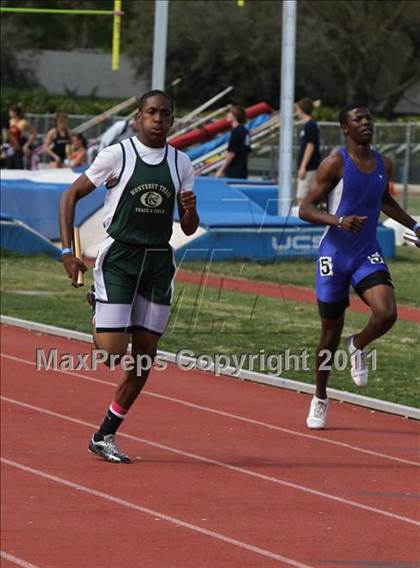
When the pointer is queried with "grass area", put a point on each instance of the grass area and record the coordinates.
(404, 269)
(413, 203)
(210, 321)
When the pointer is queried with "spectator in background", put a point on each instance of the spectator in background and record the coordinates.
(309, 156)
(57, 140)
(119, 131)
(235, 164)
(4, 141)
(21, 136)
(78, 152)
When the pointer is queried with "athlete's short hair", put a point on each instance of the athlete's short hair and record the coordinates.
(343, 115)
(155, 93)
(306, 105)
(239, 113)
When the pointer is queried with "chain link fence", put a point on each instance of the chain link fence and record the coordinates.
(44, 122)
(400, 141)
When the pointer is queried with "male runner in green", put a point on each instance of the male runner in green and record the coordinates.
(134, 270)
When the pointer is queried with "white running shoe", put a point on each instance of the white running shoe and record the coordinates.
(359, 370)
(317, 417)
(108, 449)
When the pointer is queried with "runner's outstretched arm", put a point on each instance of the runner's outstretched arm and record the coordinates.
(392, 208)
(79, 188)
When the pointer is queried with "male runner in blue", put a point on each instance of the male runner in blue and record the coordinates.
(354, 181)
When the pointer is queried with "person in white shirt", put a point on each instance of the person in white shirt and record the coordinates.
(119, 131)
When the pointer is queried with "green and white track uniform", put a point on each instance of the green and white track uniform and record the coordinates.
(135, 268)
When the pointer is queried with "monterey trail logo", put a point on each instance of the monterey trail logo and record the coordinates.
(151, 199)
(151, 196)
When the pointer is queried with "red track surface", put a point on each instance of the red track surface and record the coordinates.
(228, 478)
(271, 290)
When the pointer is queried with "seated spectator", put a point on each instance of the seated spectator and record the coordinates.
(57, 140)
(78, 152)
(20, 139)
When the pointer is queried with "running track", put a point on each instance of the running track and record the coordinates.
(228, 477)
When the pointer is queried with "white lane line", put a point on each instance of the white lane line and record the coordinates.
(232, 416)
(284, 430)
(225, 465)
(16, 560)
(168, 518)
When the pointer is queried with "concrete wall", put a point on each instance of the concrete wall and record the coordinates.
(84, 72)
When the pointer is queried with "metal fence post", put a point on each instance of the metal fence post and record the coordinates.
(406, 174)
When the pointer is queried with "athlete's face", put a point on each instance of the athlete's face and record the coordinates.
(154, 120)
(359, 125)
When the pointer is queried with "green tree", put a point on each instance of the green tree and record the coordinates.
(32, 32)
(345, 49)
(358, 50)
(212, 45)
(13, 71)
(57, 31)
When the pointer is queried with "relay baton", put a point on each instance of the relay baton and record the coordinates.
(78, 254)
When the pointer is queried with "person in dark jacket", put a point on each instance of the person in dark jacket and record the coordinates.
(235, 164)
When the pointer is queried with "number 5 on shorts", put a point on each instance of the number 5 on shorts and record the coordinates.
(325, 266)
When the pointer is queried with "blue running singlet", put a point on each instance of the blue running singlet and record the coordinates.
(346, 258)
